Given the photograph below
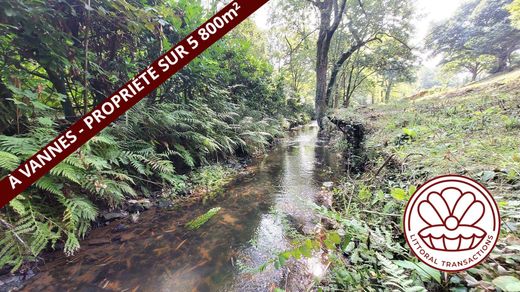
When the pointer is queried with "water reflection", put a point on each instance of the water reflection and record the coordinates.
(158, 254)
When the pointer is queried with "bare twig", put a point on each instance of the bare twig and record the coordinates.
(408, 156)
(380, 213)
(384, 164)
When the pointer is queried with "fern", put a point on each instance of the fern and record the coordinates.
(394, 276)
(49, 184)
(26, 238)
(12, 252)
(68, 171)
(8, 161)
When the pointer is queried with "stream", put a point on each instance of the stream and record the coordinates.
(159, 254)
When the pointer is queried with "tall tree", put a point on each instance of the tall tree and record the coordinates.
(480, 27)
(474, 65)
(371, 21)
(292, 48)
(331, 13)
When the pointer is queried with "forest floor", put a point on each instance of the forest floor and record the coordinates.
(472, 131)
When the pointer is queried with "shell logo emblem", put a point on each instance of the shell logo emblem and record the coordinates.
(451, 223)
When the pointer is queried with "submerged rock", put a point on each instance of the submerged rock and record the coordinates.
(165, 203)
(109, 216)
(98, 241)
(134, 217)
(136, 206)
(120, 228)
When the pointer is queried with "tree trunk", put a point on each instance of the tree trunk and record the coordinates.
(346, 102)
(343, 58)
(502, 63)
(59, 85)
(388, 90)
(322, 61)
(7, 110)
(326, 32)
(474, 75)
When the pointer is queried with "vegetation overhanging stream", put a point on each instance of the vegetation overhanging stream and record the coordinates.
(159, 251)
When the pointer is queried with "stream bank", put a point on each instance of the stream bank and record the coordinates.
(470, 131)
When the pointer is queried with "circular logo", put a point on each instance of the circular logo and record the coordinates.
(451, 223)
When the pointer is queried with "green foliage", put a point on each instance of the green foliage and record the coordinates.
(472, 63)
(396, 276)
(202, 219)
(211, 178)
(479, 28)
(424, 271)
(507, 283)
(468, 131)
(401, 194)
(362, 257)
(514, 10)
(411, 133)
(227, 102)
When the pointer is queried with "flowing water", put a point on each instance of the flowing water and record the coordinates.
(159, 254)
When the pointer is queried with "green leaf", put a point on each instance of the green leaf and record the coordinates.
(334, 237)
(305, 251)
(431, 272)
(277, 264)
(488, 175)
(296, 253)
(282, 259)
(18, 206)
(329, 244)
(263, 267)
(398, 194)
(424, 271)
(410, 133)
(8, 161)
(455, 280)
(45, 121)
(364, 193)
(411, 190)
(507, 283)
(458, 289)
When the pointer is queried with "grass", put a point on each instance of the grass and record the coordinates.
(474, 131)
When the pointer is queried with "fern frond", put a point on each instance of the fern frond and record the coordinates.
(9, 161)
(68, 171)
(50, 185)
(396, 277)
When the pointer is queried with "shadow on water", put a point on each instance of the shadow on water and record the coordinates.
(159, 254)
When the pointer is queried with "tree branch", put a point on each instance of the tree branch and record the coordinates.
(398, 40)
(345, 56)
(338, 14)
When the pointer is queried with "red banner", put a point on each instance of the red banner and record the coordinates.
(126, 97)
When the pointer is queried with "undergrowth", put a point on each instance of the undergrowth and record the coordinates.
(122, 162)
(470, 132)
